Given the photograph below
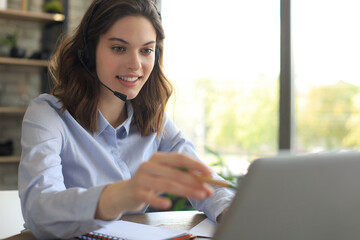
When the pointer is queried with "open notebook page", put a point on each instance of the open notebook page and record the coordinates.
(136, 231)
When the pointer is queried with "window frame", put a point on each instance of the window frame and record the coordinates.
(286, 137)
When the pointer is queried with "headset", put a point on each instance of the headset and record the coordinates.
(84, 53)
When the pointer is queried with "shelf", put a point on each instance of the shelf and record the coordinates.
(9, 159)
(23, 62)
(13, 110)
(31, 16)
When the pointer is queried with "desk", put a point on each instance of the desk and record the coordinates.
(181, 220)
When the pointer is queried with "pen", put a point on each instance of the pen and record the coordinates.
(209, 180)
(187, 236)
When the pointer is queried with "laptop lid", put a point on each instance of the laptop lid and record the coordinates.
(315, 196)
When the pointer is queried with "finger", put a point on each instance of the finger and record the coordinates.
(148, 196)
(158, 201)
(160, 170)
(209, 190)
(182, 160)
(159, 184)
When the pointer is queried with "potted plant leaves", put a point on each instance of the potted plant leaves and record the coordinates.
(53, 6)
(11, 41)
(16, 51)
(5, 46)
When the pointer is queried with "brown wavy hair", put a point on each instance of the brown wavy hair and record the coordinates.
(79, 91)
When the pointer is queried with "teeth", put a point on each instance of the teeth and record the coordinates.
(128, 79)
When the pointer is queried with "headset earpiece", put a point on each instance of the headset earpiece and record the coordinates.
(82, 57)
(157, 55)
(80, 54)
(84, 54)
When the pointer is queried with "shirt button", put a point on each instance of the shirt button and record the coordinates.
(122, 133)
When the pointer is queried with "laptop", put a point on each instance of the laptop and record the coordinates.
(314, 196)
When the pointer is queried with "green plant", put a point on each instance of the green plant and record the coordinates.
(10, 39)
(53, 6)
(224, 171)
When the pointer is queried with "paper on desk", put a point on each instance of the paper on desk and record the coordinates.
(205, 228)
(137, 231)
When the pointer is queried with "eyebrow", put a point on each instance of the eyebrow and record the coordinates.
(125, 42)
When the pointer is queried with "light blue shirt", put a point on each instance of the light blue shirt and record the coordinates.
(64, 168)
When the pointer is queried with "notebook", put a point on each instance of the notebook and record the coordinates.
(315, 196)
(124, 230)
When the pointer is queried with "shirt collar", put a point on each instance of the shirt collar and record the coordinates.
(103, 123)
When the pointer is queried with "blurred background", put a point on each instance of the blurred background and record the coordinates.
(233, 63)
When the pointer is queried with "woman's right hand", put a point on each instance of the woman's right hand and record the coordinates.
(155, 176)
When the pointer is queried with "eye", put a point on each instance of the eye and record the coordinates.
(147, 51)
(118, 49)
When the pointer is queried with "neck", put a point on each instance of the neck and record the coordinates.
(113, 111)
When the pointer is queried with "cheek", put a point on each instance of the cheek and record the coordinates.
(106, 65)
(148, 67)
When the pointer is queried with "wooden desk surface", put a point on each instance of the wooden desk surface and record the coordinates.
(181, 220)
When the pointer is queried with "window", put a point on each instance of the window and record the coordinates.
(326, 50)
(223, 59)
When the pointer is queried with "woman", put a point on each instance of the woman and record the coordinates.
(89, 157)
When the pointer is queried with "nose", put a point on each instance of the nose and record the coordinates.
(134, 61)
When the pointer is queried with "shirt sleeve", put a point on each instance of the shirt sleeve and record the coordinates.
(173, 140)
(50, 210)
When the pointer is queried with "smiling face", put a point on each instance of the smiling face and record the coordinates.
(125, 56)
